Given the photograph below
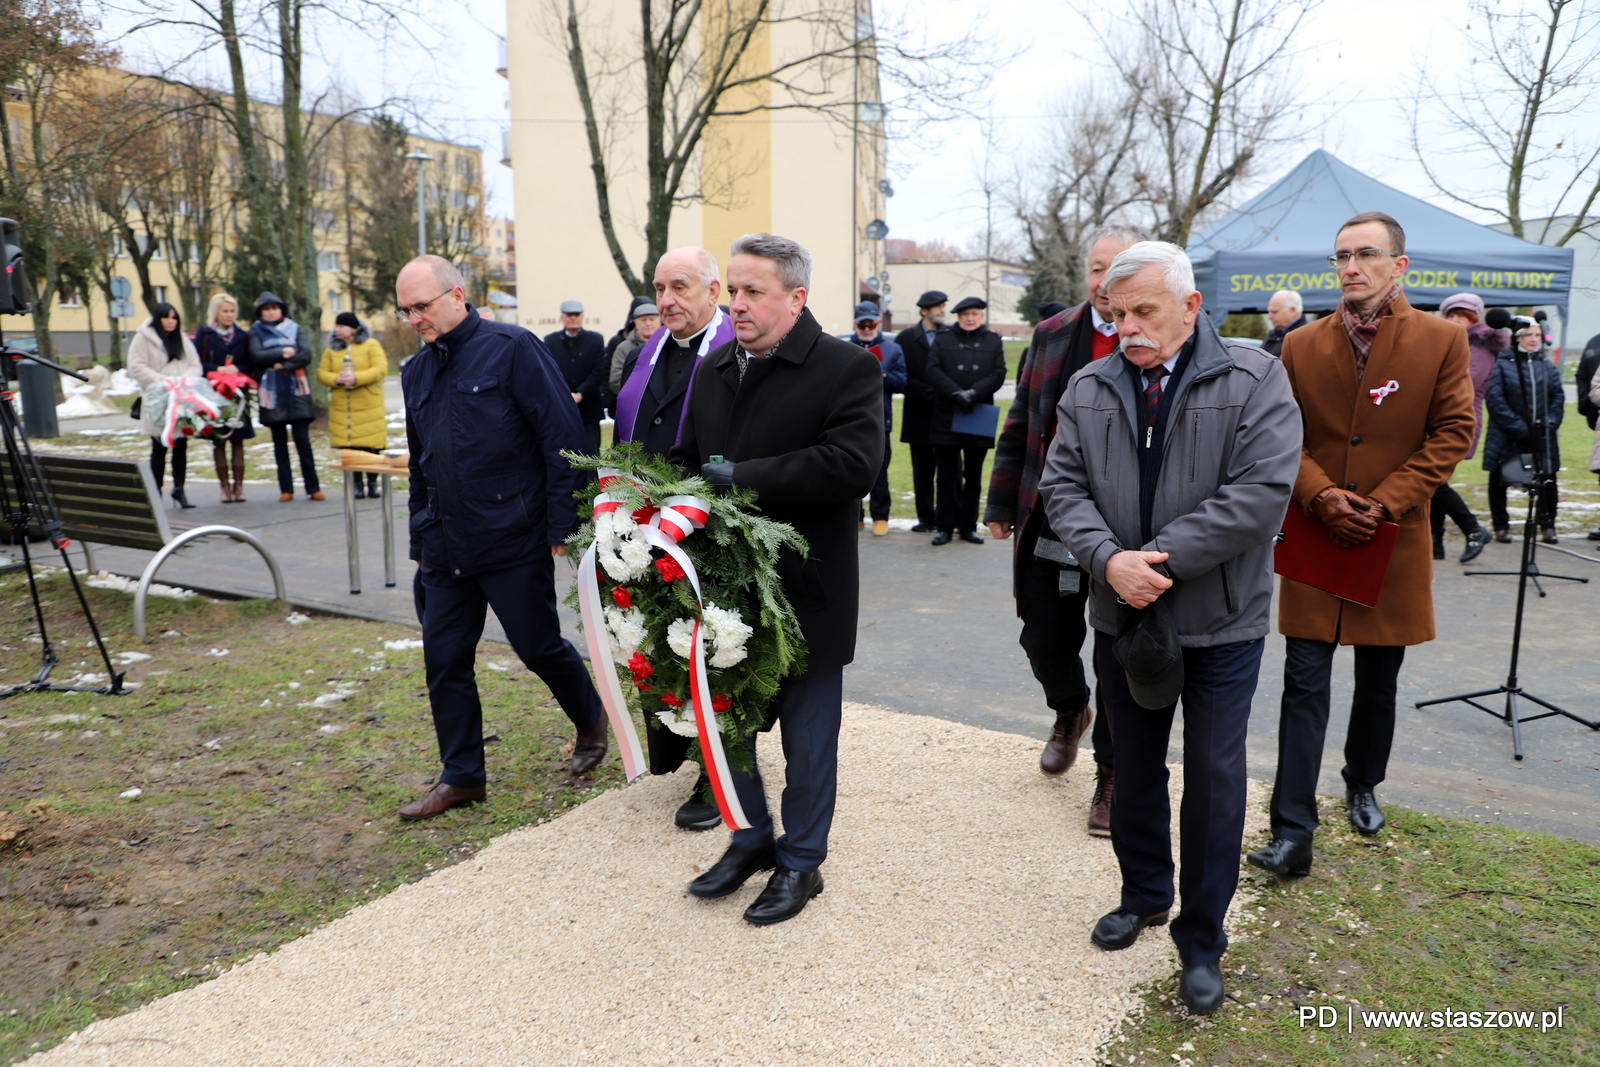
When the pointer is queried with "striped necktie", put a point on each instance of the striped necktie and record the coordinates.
(1152, 393)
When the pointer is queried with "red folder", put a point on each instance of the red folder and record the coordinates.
(1308, 555)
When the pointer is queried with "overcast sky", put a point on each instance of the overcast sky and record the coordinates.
(1358, 65)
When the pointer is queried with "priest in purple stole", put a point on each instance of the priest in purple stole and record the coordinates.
(655, 382)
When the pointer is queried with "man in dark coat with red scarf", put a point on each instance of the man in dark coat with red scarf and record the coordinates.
(1049, 585)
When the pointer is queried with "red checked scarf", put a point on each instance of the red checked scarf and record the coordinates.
(1363, 331)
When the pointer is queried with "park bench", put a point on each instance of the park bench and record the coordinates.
(116, 502)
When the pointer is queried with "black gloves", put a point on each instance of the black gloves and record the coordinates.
(719, 474)
(964, 399)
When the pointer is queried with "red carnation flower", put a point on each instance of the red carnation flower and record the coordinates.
(640, 667)
(188, 431)
(623, 598)
(671, 700)
(669, 569)
(721, 703)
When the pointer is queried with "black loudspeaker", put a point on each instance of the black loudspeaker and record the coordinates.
(14, 288)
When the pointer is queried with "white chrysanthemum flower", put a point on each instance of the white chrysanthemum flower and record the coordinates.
(635, 555)
(728, 635)
(627, 632)
(727, 657)
(680, 636)
(682, 725)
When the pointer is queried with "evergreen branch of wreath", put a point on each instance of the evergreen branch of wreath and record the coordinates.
(748, 623)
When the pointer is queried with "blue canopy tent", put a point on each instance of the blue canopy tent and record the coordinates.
(1281, 240)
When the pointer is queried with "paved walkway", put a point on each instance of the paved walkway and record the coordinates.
(953, 928)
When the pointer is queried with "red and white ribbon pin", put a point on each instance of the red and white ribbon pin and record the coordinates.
(1390, 386)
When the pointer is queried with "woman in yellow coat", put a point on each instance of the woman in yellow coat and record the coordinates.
(353, 368)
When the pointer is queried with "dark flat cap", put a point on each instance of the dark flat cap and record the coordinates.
(867, 310)
(1150, 655)
(932, 299)
(967, 303)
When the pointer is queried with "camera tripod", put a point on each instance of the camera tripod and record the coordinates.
(26, 506)
(1544, 477)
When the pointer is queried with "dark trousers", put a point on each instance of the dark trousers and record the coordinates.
(880, 488)
(809, 709)
(1446, 501)
(960, 472)
(1303, 724)
(1218, 685)
(1544, 513)
(922, 471)
(302, 445)
(1053, 629)
(451, 609)
(180, 460)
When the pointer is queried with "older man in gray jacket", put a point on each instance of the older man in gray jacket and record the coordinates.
(1169, 477)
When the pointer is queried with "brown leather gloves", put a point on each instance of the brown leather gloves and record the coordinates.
(1351, 520)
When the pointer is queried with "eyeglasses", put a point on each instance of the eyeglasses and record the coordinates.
(1365, 256)
(421, 309)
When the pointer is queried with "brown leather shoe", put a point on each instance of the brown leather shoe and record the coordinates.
(440, 799)
(1062, 748)
(1100, 805)
(589, 749)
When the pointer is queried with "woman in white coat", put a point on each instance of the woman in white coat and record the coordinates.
(160, 350)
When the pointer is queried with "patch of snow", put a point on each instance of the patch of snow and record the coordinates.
(295, 618)
(122, 384)
(218, 652)
(330, 728)
(130, 794)
(124, 659)
(104, 580)
(403, 644)
(294, 685)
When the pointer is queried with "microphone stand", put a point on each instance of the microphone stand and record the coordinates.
(1543, 477)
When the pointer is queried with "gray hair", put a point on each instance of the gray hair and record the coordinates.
(790, 257)
(1292, 298)
(1125, 235)
(1176, 269)
(444, 271)
(705, 263)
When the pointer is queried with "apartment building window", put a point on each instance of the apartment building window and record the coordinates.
(335, 301)
(70, 297)
(327, 261)
(161, 294)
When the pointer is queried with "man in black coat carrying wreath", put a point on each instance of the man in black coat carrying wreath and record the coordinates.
(797, 415)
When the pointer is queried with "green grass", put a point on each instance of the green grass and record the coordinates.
(262, 814)
(1432, 915)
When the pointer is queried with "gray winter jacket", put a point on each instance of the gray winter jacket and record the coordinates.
(1231, 455)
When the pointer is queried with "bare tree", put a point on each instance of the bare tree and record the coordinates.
(693, 62)
(1525, 102)
(1091, 172)
(1211, 83)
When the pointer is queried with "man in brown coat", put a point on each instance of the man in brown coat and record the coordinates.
(1387, 404)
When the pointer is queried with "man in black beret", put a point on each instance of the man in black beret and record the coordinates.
(917, 342)
(967, 365)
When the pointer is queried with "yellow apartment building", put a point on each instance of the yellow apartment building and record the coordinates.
(816, 176)
(453, 191)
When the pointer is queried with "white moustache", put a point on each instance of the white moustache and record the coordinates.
(1139, 341)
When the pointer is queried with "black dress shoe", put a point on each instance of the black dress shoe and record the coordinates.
(923, 527)
(696, 813)
(1365, 815)
(1120, 928)
(1502, 534)
(971, 537)
(943, 537)
(589, 749)
(1594, 535)
(1438, 547)
(1550, 537)
(360, 492)
(787, 894)
(1283, 856)
(733, 870)
(1476, 540)
(179, 497)
(1200, 988)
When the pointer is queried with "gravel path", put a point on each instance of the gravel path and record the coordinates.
(953, 930)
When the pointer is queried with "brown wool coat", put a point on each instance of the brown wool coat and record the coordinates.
(1408, 446)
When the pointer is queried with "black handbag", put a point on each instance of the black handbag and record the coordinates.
(1517, 469)
(137, 409)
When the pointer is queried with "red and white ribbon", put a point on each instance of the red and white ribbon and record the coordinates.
(181, 392)
(661, 527)
(1390, 386)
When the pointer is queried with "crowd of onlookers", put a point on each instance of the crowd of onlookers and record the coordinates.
(272, 355)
